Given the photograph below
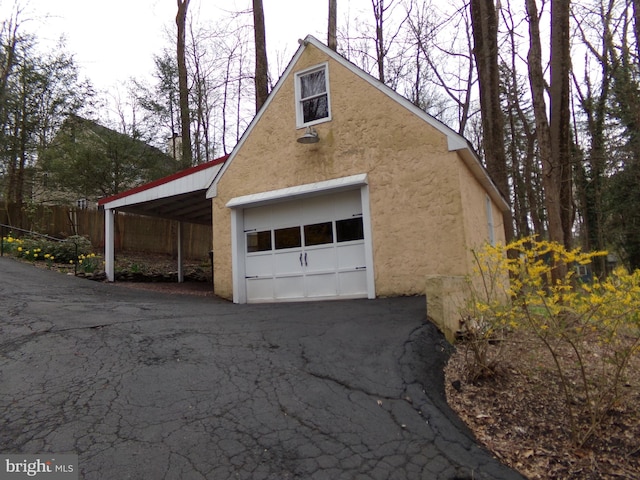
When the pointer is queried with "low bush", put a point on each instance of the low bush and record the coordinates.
(75, 250)
(70, 249)
(591, 330)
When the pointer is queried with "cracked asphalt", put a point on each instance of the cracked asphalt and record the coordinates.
(144, 385)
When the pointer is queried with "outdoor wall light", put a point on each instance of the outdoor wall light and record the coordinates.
(310, 136)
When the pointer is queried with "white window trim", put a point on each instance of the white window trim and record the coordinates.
(298, 90)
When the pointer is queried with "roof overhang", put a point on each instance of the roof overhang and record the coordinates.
(181, 196)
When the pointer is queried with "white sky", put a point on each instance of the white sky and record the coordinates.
(115, 40)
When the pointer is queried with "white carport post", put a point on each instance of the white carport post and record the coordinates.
(180, 269)
(109, 241)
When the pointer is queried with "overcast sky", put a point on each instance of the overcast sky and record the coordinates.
(115, 40)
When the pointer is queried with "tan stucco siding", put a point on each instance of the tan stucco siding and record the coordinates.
(476, 219)
(417, 229)
(222, 261)
(416, 208)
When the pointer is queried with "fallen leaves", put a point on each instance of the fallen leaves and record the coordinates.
(519, 415)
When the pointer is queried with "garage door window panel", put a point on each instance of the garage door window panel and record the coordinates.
(287, 238)
(259, 241)
(349, 230)
(318, 234)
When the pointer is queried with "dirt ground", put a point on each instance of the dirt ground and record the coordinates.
(159, 273)
(520, 416)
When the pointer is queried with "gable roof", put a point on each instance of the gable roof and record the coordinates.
(455, 141)
(74, 124)
(179, 196)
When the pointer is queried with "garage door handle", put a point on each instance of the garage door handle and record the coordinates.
(300, 259)
(305, 259)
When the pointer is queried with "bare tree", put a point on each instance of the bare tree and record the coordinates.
(387, 59)
(201, 72)
(262, 66)
(560, 119)
(520, 141)
(185, 117)
(484, 20)
(550, 166)
(636, 23)
(448, 65)
(593, 99)
(332, 37)
(379, 14)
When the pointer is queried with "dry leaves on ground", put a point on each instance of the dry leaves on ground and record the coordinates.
(520, 416)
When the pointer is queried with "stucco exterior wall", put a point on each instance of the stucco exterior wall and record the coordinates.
(476, 219)
(416, 207)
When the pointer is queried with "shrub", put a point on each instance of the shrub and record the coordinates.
(487, 316)
(10, 244)
(74, 250)
(34, 249)
(70, 249)
(591, 331)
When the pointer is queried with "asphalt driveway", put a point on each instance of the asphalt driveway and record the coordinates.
(143, 385)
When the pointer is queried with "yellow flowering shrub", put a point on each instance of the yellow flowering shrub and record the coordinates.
(11, 244)
(591, 330)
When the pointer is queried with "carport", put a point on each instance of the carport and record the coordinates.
(180, 196)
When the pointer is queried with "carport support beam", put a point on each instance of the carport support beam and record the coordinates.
(109, 241)
(180, 269)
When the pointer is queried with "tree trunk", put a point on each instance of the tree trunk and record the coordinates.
(262, 68)
(549, 168)
(185, 117)
(636, 24)
(484, 22)
(560, 121)
(378, 13)
(332, 29)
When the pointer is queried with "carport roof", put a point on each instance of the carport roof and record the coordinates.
(180, 196)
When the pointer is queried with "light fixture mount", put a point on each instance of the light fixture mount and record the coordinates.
(310, 136)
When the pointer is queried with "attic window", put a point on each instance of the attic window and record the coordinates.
(312, 96)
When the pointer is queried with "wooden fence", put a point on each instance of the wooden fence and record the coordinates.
(133, 233)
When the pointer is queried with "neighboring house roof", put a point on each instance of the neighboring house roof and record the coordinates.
(180, 196)
(79, 124)
(78, 134)
(455, 141)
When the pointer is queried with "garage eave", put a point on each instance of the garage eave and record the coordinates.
(289, 193)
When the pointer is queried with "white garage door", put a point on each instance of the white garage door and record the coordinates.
(306, 249)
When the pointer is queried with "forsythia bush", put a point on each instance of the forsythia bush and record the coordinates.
(591, 330)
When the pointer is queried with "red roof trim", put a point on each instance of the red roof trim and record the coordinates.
(163, 180)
